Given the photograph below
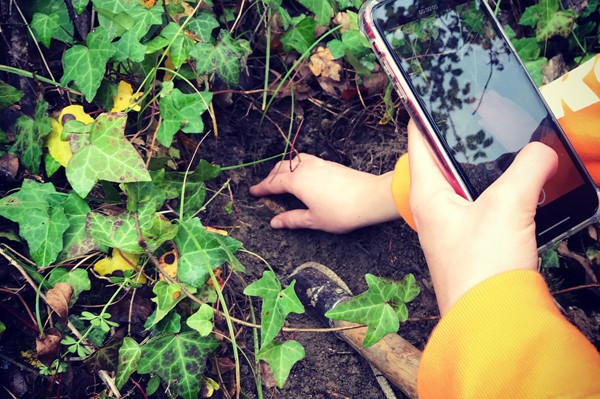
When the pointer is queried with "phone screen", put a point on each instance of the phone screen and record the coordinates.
(473, 88)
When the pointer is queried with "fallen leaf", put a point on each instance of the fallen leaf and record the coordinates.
(323, 64)
(119, 261)
(47, 346)
(148, 3)
(590, 277)
(9, 165)
(209, 386)
(342, 18)
(267, 375)
(60, 149)
(58, 299)
(125, 99)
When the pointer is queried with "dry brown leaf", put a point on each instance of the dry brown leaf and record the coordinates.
(267, 375)
(9, 165)
(322, 64)
(48, 345)
(593, 232)
(585, 263)
(58, 298)
(342, 18)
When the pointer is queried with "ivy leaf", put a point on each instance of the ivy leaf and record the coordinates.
(42, 221)
(129, 356)
(79, 279)
(180, 43)
(86, 65)
(80, 5)
(201, 321)
(560, 23)
(77, 241)
(58, 7)
(199, 250)
(108, 155)
(321, 8)
(179, 360)
(203, 25)
(135, 23)
(182, 111)
(382, 307)
(226, 58)
(168, 295)
(277, 304)
(281, 358)
(115, 6)
(9, 95)
(30, 134)
(120, 231)
(301, 36)
(45, 27)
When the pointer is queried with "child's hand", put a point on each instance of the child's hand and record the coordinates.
(466, 242)
(339, 199)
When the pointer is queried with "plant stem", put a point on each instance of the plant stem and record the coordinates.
(20, 72)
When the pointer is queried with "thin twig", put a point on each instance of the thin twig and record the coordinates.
(579, 287)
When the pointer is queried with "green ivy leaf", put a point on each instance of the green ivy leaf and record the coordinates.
(337, 48)
(77, 278)
(115, 6)
(135, 23)
(77, 241)
(120, 231)
(226, 58)
(168, 295)
(129, 356)
(199, 250)
(321, 8)
(180, 43)
(80, 5)
(42, 221)
(179, 360)
(356, 42)
(9, 95)
(45, 27)
(277, 304)
(182, 111)
(201, 321)
(281, 358)
(30, 134)
(535, 69)
(203, 25)
(58, 7)
(559, 23)
(105, 155)
(301, 36)
(86, 65)
(382, 307)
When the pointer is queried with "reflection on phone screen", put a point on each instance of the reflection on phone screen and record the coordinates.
(465, 75)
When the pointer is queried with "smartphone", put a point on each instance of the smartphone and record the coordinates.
(462, 82)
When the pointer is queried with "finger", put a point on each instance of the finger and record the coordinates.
(524, 179)
(294, 219)
(425, 174)
(270, 185)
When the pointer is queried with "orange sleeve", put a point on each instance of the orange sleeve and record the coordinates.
(574, 99)
(506, 338)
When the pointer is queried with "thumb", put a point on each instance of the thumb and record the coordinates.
(522, 182)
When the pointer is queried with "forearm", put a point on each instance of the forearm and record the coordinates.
(506, 338)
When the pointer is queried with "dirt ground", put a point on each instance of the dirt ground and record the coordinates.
(346, 133)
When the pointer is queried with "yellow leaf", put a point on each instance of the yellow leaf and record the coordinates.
(125, 100)
(148, 3)
(59, 149)
(209, 386)
(120, 261)
(169, 261)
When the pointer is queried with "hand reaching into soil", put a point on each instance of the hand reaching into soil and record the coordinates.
(339, 199)
(466, 242)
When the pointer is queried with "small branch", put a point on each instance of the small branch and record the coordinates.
(579, 287)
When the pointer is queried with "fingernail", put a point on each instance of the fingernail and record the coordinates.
(276, 224)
